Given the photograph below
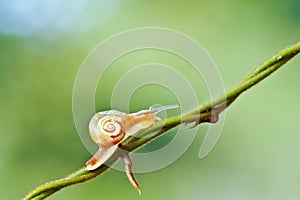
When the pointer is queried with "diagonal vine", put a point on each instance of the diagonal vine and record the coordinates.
(207, 112)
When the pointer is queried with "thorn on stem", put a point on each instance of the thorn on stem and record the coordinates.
(213, 118)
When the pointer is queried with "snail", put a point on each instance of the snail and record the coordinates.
(109, 128)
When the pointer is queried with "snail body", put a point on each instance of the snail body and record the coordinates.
(110, 128)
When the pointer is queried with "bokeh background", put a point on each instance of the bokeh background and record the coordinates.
(43, 43)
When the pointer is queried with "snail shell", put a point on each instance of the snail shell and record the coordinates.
(106, 128)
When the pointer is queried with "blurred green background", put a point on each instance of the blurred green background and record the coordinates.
(43, 44)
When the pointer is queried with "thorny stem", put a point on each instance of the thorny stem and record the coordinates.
(207, 112)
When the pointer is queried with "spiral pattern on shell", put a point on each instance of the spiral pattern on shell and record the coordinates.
(110, 126)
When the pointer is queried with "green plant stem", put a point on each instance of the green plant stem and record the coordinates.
(207, 112)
